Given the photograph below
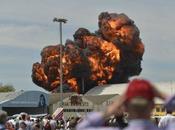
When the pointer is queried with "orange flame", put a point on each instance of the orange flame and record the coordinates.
(73, 84)
(103, 63)
(110, 55)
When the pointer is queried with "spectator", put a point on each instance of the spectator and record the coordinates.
(155, 120)
(138, 101)
(73, 123)
(167, 119)
(22, 125)
(36, 126)
(3, 118)
(23, 116)
(9, 125)
(28, 122)
(47, 125)
(120, 121)
(52, 122)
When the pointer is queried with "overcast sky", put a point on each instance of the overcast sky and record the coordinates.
(26, 27)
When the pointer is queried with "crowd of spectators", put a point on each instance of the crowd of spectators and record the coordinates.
(129, 112)
(25, 122)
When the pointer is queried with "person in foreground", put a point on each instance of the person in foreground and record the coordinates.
(137, 101)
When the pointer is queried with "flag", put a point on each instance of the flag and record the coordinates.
(58, 114)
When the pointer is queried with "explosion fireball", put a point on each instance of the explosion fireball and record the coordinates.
(110, 55)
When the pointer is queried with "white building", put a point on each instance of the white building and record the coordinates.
(101, 96)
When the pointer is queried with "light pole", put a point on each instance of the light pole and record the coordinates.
(60, 20)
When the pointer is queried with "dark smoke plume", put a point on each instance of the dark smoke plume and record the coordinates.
(110, 55)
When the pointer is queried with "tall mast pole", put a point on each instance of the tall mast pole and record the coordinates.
(60, 20)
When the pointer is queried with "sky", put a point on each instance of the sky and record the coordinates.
(26, 27)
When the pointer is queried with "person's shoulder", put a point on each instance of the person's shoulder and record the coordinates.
(165, 117)
(170, 116)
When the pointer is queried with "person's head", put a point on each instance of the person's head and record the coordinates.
(3, 117)
(28, 117)
(169, 111)
(139, 99)
(8, 125)
(23, 115)
(36, 126)
(22, 125)
(49, 117)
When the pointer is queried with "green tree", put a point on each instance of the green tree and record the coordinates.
(6, 88)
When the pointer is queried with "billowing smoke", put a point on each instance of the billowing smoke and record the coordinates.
(110, 55)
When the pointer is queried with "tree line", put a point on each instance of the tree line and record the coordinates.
(6, 88)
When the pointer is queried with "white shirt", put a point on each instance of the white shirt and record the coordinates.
(53, 124)
(165, 120)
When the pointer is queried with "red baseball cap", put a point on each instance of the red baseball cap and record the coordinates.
(140, 88)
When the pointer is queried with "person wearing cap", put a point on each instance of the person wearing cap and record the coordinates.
(137, 100)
